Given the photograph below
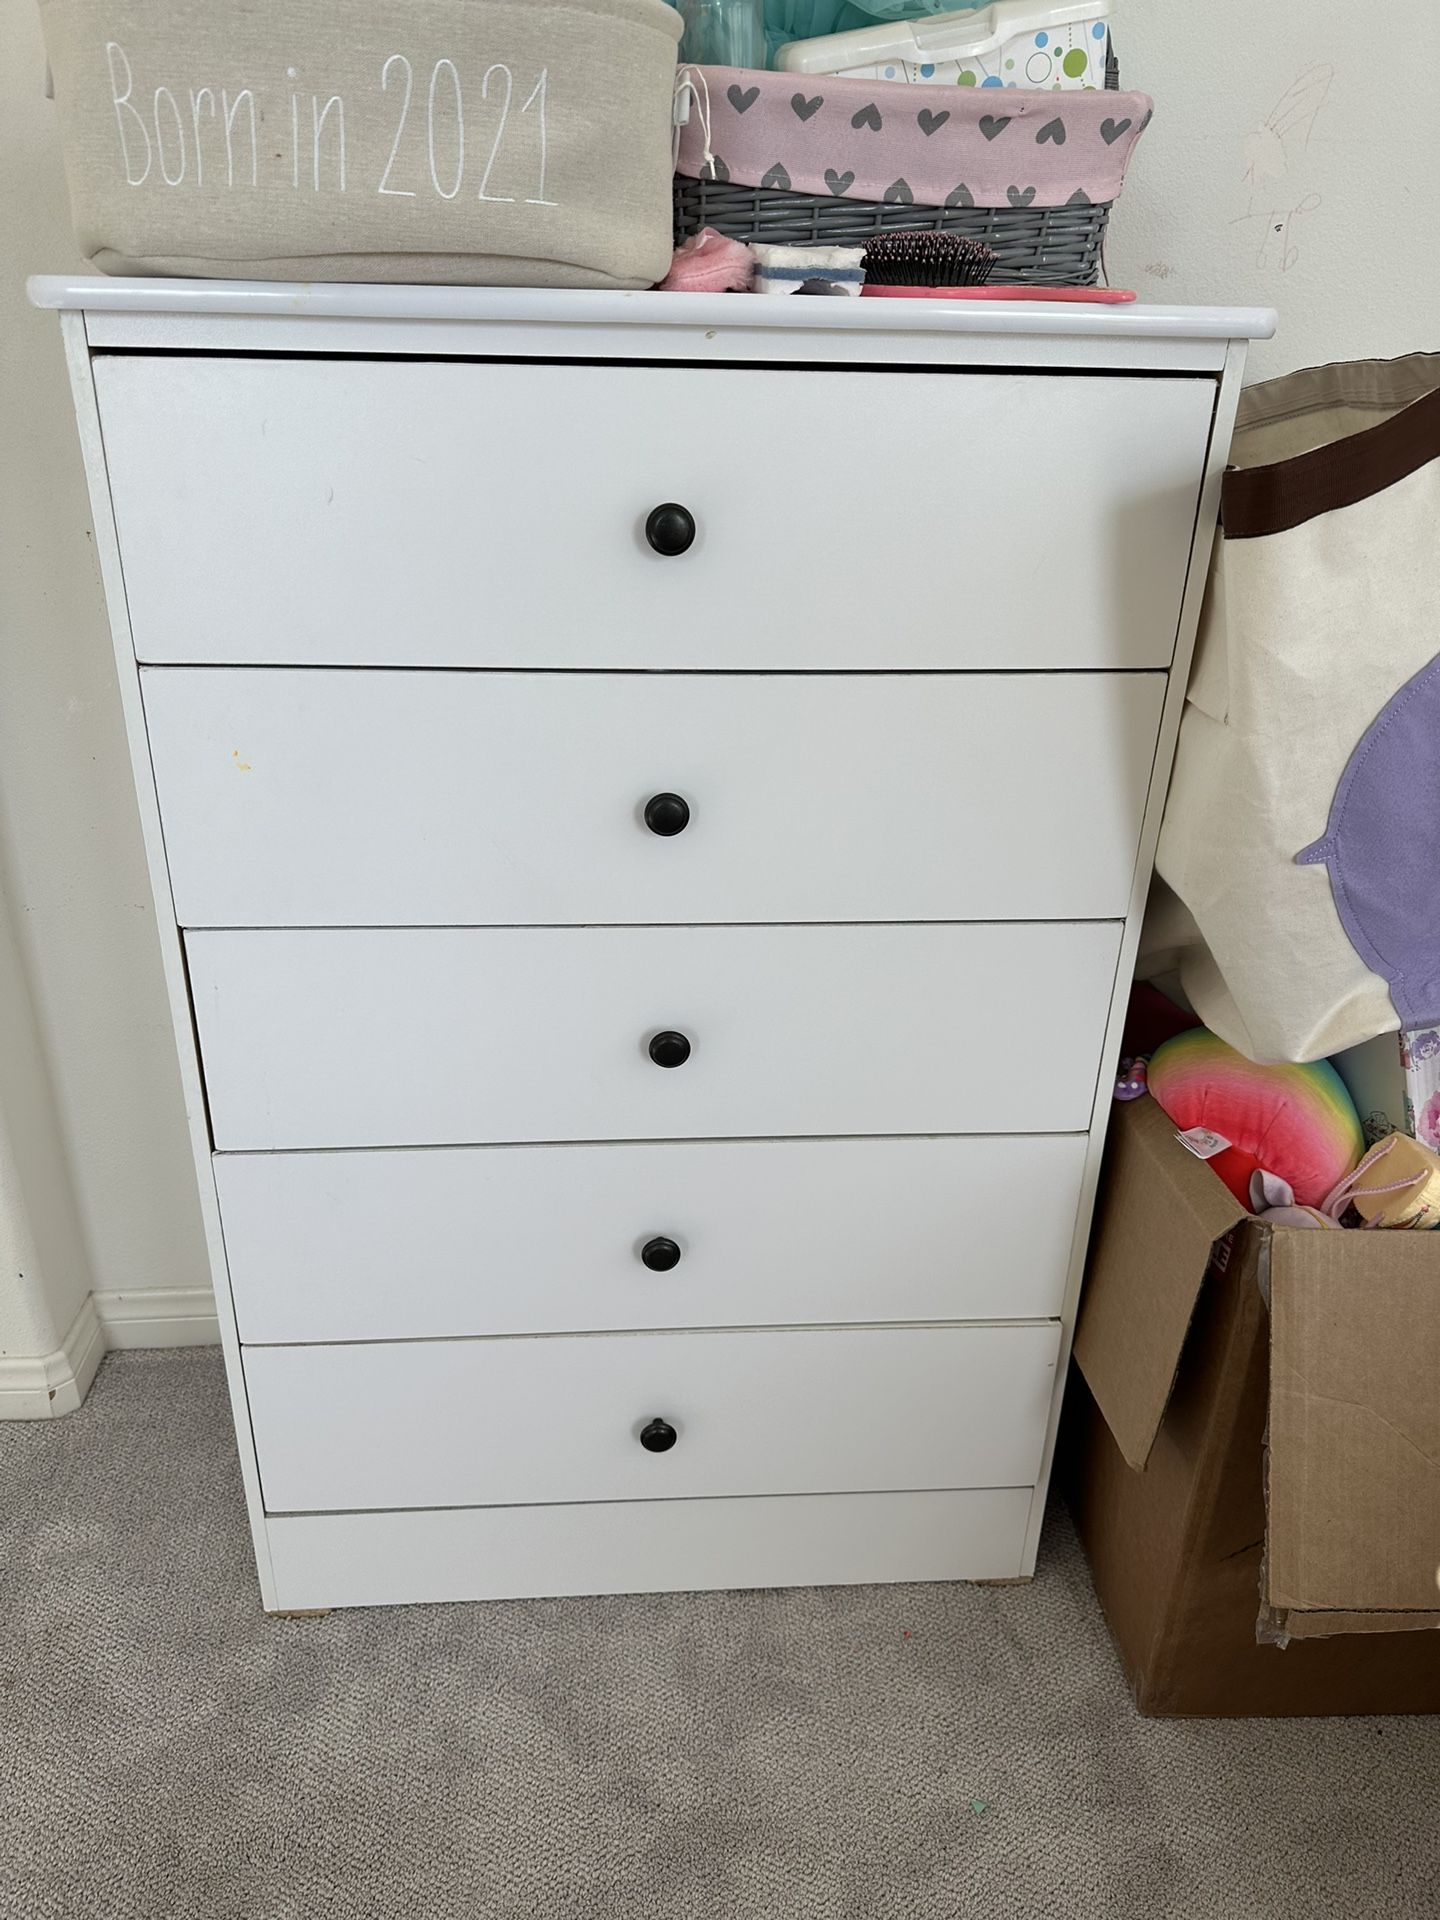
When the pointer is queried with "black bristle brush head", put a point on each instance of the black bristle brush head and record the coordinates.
(928, 260)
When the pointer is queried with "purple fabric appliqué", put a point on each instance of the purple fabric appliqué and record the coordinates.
(1382, 848)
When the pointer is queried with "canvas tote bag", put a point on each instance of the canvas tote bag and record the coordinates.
(489, 142)
(1298, 895)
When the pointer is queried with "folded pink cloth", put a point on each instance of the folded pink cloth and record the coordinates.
(709, 262)
(912, 146)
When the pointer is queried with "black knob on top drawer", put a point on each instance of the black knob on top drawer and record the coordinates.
(660, 1254)
(667, 814)
(670, 529)
(658, 1436)
(669, 1049)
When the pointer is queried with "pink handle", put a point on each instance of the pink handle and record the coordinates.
(1096, 296)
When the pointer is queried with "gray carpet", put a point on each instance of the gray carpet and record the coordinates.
(903, 1753)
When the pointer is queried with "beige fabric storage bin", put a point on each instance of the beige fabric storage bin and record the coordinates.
(489, 142)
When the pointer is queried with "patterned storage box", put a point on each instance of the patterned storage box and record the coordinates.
(1015, 43)
(1394, 1081)
(775, 156)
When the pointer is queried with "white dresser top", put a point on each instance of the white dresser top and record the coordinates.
(340, 300)
(338, 316)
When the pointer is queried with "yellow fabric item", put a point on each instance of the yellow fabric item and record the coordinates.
(1374, 1192)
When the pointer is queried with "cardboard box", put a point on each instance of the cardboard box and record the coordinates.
(1200, 1327)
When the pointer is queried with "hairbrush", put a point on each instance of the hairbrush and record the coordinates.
(928, 260)
(951, 266)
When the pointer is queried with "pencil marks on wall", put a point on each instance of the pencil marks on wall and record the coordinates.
(1278, 170)
(1271, 149)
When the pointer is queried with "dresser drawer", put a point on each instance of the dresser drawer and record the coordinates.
(451, 1035)
(322, 1560)
(406, 512)
(439, 1242)
(521, 1422)
(393, 799)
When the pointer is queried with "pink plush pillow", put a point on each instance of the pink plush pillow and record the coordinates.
(1296, 1122)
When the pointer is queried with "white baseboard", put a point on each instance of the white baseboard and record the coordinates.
(158, 1317)
(40, 1389)
(44, 1388)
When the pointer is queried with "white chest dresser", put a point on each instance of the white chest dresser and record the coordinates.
(649, 800)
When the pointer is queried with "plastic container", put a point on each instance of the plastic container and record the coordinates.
(1015, 43)
(485, 142)
(723, 33)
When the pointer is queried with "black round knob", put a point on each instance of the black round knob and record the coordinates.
(667, 814)
(670, 529)
(658, 1436)
(660, 1255)
(669, 1049)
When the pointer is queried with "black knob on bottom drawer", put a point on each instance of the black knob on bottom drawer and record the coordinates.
(669, 1049)
(658, 1436)
(670, 529)
(660, 1254)
(667, 814)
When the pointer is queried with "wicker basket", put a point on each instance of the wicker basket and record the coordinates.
(1040, 246)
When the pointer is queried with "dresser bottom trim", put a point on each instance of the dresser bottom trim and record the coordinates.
(326, 1560)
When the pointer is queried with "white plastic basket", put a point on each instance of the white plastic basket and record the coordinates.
(1015, 43)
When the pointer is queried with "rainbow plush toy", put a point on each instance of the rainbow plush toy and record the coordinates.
(1296, 1122)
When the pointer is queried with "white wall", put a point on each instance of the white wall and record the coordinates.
(1349, 179)
(44, 1273)
(1293, 162)
(123, 1215)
